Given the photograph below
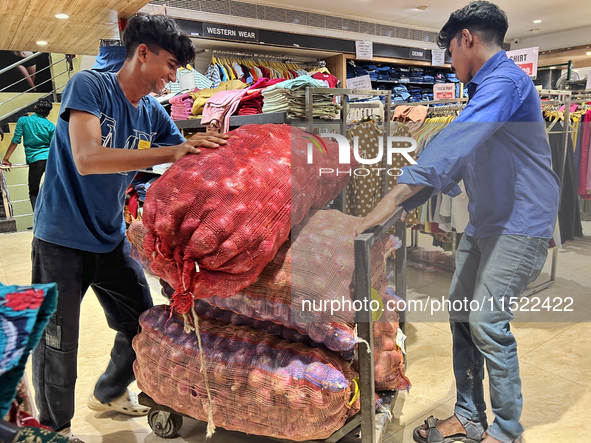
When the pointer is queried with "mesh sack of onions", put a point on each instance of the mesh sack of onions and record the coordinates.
(216, 219)
(257, 382)
(315, 266)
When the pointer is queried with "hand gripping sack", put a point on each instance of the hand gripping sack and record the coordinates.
(259, 383)
(215, 220)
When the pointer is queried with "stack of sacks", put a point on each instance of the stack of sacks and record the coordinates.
(289, 96)
(181, 106)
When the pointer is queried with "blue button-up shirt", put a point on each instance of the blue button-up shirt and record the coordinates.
(498, 146)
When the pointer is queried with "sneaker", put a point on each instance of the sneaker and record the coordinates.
(126, 404)
(67, 432)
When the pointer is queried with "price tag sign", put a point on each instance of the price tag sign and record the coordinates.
(363, 50)
(363, 82)
(526, 59)
(443, 91)
(438, 57)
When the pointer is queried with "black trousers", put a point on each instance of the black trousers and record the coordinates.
(36, 170)
(122, 290)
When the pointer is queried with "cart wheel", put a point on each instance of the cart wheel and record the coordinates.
(164, 424)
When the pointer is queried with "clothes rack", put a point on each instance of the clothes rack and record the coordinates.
(558, 98)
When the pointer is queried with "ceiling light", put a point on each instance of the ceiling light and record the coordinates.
(62, 16)
(552, 67)
(588, 53)
(422, 8)
(537, 21)
(41, 42)
(575, 70)
(535, 31)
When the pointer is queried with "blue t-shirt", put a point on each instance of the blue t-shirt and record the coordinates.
(86, 212)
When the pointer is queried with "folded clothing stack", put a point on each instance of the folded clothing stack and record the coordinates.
(180, 106)
(252, 102)
(289, 96)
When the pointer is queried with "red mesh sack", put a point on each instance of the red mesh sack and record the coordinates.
(317, 265)
(388, 358)
(258, 382)
(216, 219)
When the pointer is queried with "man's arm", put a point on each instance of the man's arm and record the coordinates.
(387, 205)
(93, 158)
(9, 151)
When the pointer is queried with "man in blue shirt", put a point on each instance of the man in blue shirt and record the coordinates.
(498, 147)
(106, 127)
(36, 133)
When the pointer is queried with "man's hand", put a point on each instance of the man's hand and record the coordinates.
(6, 163)
(388, 205)
(203, 140)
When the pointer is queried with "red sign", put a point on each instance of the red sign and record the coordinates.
(444, 91)
(528, 68)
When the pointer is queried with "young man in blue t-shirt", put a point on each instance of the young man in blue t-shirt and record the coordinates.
(107, 123)
(36, 133)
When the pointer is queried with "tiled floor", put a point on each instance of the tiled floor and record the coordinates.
(553, 349)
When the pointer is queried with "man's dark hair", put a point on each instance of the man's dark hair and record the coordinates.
(158, 31)
(480, 16)
(43, 107)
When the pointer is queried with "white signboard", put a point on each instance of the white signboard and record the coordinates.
(437, 57)
(363, 50)
(363, 82)
(526, 59)
(443, 91)
(588, 81)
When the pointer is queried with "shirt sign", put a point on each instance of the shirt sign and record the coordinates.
(363, 82)
(526, 59)
(438, 57)
(442, 91)
(228, 32)
(364, 50)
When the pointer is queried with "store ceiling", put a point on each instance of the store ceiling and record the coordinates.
(555, 15)
(24, 22)
(577, 55)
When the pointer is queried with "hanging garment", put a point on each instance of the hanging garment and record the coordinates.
(569, 217)
(330, 80)
(219, 108)
(213, 75)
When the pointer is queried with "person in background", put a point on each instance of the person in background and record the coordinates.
(36, 133)
(108, 128)
(498, 146)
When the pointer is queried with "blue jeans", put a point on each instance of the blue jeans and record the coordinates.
(122, 290)
(491, 271)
